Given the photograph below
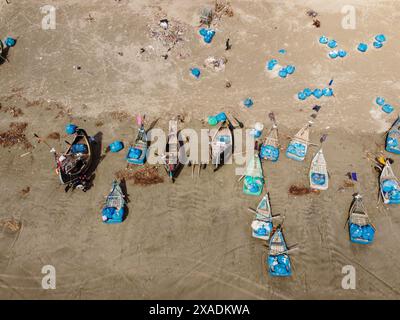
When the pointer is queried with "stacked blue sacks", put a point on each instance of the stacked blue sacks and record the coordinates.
(269, 152)
(297, 149)
(271, 64)
(361, 234)
(318, 178)
(379, 40)
(112, 215)
(385, 106)
(264, 230)
(134, 153)
(207, 34)
(392, 190)
(279, 265)
(79, 148)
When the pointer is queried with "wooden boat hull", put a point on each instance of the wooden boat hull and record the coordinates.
(361, 230)
(262, 224)
(114, 208)
(318, 174)
(389, 186)
(138, 152)
(253, 180)
(84, 164)
(278, 261)
(221, 146)
(393, 138)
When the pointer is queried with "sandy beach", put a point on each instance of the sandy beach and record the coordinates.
(192, 239)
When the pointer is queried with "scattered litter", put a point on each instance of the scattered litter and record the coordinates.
(312, 13)
(301, 190)
(11, 225)
(164, 24)
(206, 16)
(316, 108)
(14, 111)
(25, 190)
(15, 135)
(217, 64)
(228, 84)
(228, 46)
(316, 23)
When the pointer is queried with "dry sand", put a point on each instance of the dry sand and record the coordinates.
(192, 239)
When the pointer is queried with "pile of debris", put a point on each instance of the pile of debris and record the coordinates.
(210, 15)
(216, 64)
(15, 135)
(168, 32)
(144, 176)
(313, 14)
(301, 190)
(14, 111)
(10, 225)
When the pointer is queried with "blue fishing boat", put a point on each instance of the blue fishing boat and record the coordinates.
(270, 147)
(389, 185)
(393, 138)
(253, 177)
(262, 223)
(137, 152)
(360, 228)
(114, 208)
(298, 146)
(278, 259)
(319, 178)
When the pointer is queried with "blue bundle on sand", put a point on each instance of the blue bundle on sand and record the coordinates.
(248, 102)
(271, 64)
(393, 138)
(116, 146)
(195, 72)
(207, 34)
(362, 47)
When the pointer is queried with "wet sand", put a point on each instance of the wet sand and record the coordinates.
(192, 239)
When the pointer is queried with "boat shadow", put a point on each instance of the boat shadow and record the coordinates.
(4, 54)
(124, 189)
(96, 142)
